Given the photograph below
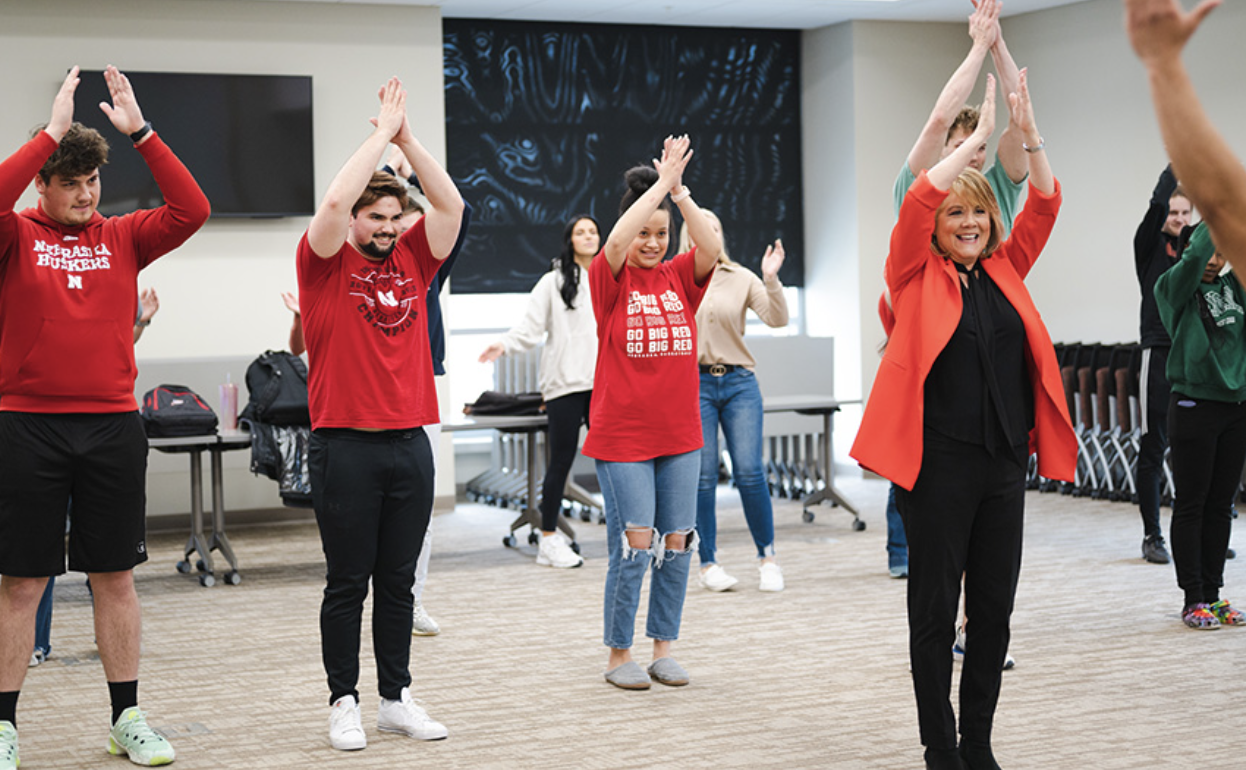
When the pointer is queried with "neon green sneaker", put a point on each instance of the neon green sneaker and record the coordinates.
(8, 746)
(133, 737)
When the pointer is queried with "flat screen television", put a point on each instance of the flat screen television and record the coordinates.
(246, 138)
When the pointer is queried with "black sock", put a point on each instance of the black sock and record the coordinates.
(123, 695)
(8, 706)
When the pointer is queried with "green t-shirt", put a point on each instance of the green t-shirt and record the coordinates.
(1007, 192)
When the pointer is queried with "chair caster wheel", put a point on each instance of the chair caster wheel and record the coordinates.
(806, 516)
(233, 578)
(207, 581)
(199, 565)
(858, 525)
(534, 538)
(575, 546)
(509, 541)
(586, 515)
(183, 567)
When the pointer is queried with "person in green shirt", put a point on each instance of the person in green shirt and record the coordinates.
(1204, 311)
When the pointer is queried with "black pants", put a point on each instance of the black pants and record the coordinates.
(1150, 475)
(963, 516)
(373, 494)
(1208, 449)
(566, 413)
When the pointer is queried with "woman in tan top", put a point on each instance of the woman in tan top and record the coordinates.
(730, 398)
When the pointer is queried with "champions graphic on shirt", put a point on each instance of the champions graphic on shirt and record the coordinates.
(1223, 307)
(388, 300)
(657, 326)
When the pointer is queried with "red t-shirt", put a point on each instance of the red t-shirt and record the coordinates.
(367, 335)
(646, 392)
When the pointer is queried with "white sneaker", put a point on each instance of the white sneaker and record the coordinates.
(37, 657)
(555, 551)
(771, 577)
(8, 746)
(409, 718)
(345, 726)
(715, 578)
(421, 623)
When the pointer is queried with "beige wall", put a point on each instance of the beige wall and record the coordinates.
(1093, 108)
(220, 292)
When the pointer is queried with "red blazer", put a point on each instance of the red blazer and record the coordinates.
(926, 297)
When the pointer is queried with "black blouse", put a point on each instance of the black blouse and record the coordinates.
(978, 390)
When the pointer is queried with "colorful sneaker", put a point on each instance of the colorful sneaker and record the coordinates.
(132, 736)
(345, 726)
(1200, 616)
(421, 623)
(1227, 614)
(554, 551)
(8, 746)
(409, 718)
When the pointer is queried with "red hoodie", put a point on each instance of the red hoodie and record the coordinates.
(69, 295)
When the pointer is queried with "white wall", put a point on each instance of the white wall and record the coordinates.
(1094, 110)
(220, 292)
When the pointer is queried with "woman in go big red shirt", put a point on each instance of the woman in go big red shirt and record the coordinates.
(646, 422)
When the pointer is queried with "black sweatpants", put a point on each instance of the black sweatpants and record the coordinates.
(566, 413)
(373, 495)
(1208, 440)
(1155, 392)
(963, 516)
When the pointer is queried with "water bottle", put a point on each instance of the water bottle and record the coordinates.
(229, 404)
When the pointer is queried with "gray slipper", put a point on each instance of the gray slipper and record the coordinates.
(629, 676)
(667, 671)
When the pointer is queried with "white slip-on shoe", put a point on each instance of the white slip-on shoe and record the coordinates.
(715, 578)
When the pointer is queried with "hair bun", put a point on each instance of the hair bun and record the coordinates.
(640, 178)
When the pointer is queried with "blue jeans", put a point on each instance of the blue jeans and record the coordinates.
(897, 543)
(657, 495)
(43, 619)
(734, 401)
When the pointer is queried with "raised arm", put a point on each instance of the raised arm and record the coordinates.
(1209, 171)
(443, 222)
(770, 304)
(983, 23)
(296, 342)
(331, 223)
(1011, 153)
(947, 170)
(1021, 112)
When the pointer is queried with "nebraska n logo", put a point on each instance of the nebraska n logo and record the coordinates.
(75, 282)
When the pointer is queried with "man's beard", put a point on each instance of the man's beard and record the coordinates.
(376, 252)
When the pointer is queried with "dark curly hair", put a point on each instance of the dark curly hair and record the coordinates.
(81, 151)
(565, 263)
(638, 180)
(381, 185)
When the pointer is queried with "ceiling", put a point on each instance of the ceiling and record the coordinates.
(777, 14)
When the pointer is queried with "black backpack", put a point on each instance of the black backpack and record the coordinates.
(176, 410)
(492, 402)
(277, 382)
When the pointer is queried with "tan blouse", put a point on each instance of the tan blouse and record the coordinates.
(720, 320)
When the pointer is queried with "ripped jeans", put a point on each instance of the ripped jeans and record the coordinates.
(660, 496)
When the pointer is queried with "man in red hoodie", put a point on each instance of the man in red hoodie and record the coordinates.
(68, 419)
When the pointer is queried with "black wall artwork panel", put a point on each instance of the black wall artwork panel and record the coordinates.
(543, 119)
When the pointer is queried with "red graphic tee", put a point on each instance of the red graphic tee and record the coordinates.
(367, 335)
(646, 392)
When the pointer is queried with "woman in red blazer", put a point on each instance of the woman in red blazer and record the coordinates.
(968, 387)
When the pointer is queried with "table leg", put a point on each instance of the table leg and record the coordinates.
(197, 542)
(828, 490)
(220, 541)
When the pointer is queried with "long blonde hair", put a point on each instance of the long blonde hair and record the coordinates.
(685, 240)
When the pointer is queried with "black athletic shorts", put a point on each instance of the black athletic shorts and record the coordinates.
(99, 461)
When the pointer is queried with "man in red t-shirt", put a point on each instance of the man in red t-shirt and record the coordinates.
(361, 291)
(68, 419)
